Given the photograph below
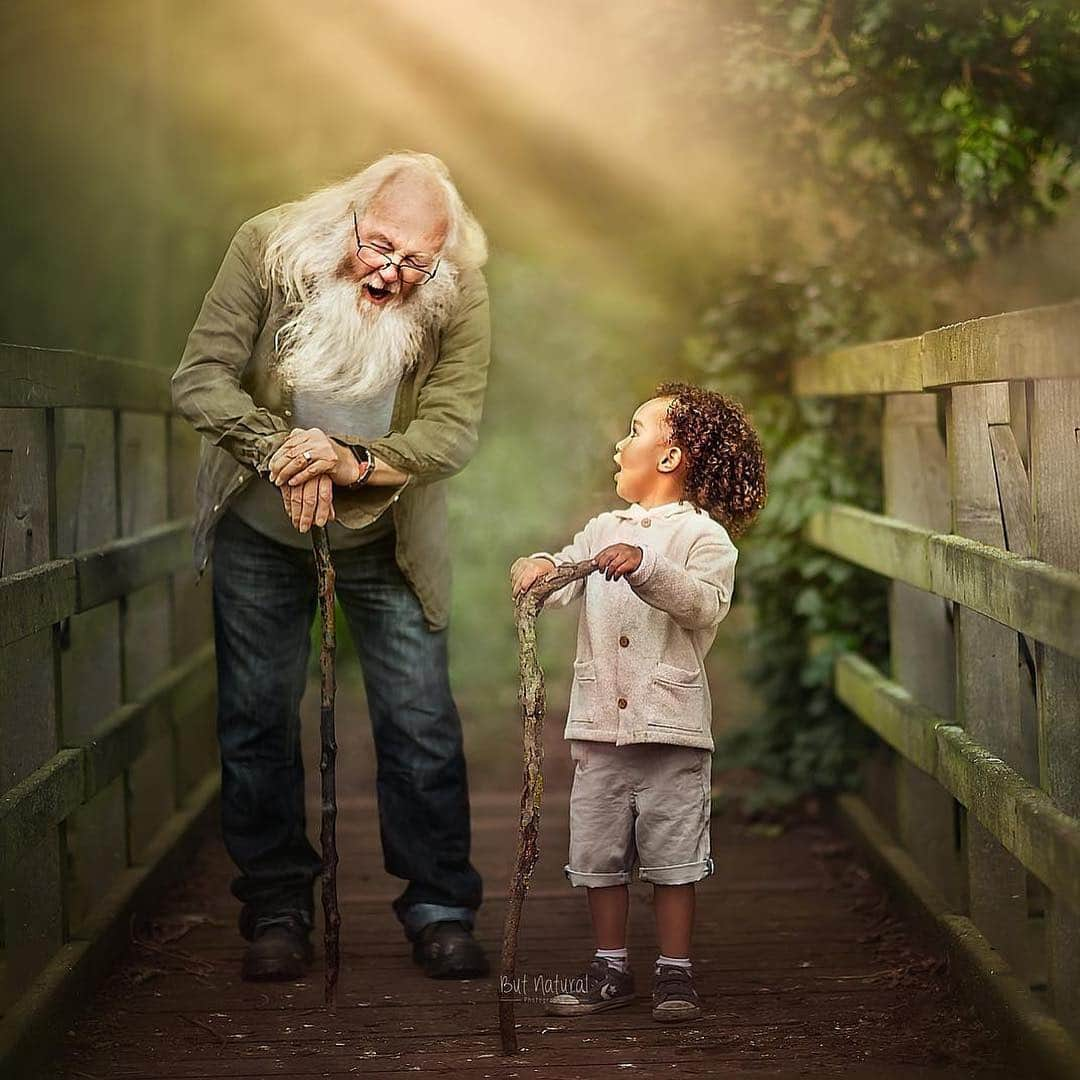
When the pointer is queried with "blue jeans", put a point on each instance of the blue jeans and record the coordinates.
(264, 604)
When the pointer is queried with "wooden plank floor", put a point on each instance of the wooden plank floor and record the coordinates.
(802, 968)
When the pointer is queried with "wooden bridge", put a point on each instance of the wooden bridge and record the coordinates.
(957, 954)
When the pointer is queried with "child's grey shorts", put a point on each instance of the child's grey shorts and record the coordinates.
(648, 800)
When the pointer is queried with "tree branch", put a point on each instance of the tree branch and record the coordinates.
(533, 706)
(331, 917)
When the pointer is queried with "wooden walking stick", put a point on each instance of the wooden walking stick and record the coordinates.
(331, 918)
(533, 705)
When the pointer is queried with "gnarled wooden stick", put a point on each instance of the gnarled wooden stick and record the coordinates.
(332, 920)
(533, 705)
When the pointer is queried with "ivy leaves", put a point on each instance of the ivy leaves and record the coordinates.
(962, 117)
(809, 606)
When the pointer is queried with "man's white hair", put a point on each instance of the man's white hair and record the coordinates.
(334, 346)
(314, 233)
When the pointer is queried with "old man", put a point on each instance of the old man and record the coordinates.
(337, 372)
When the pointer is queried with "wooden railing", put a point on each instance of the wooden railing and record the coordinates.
(107, 747)
(981, 540)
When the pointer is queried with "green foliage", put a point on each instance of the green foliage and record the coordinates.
(958, 119)
(945, 128)
(809, 606)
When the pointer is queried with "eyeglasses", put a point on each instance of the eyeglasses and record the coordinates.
(379, 258)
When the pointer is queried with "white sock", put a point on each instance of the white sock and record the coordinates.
(619, 959)
(674, 961)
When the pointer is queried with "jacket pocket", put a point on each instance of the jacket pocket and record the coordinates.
(676, 699)
(583, 692)
(676, 676)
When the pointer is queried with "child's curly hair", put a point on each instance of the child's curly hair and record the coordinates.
(725, 473)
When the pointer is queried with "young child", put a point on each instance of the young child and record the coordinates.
(639, 724)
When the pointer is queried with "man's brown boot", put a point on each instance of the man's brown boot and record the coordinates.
(280, 949)
(448, 950)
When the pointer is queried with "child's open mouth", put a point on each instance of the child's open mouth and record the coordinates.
(377, 295)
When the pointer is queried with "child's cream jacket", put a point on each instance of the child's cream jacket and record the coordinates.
(639, 674)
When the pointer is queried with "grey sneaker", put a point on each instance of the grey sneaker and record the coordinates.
(601, 987)
(674, 997)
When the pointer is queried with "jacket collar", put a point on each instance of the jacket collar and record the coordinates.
(635, 511)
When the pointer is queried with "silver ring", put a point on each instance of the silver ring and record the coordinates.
(307, 455)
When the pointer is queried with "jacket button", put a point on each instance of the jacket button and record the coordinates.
(624, 641)
(622, 703)
(288, 412)
(646, 522)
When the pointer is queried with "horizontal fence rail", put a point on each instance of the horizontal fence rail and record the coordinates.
(1023, 593)
(1045, 839)
(125, 735)
(37, 598)
(1035, 344)
(59, 378)
(76, 774)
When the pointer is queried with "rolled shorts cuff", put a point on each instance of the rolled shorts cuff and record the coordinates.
(678, 874)
(596, 881)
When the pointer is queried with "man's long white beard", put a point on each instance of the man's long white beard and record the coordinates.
(342, 347)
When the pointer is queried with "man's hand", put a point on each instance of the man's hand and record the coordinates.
(308, 453)
(525, 572)
(309, 503)
(618, 560)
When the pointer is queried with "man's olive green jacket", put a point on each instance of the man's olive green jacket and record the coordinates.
(227, 387)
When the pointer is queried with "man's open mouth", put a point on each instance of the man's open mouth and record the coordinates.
(376, 294)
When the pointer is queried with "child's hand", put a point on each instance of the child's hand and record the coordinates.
(618, 560)
(525, 572)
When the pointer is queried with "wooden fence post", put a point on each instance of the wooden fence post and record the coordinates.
(987, 691)
(916, 487)
(33, 900)
(1011, 450)
(1054, 426)
(147, 622)
(86, 513)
